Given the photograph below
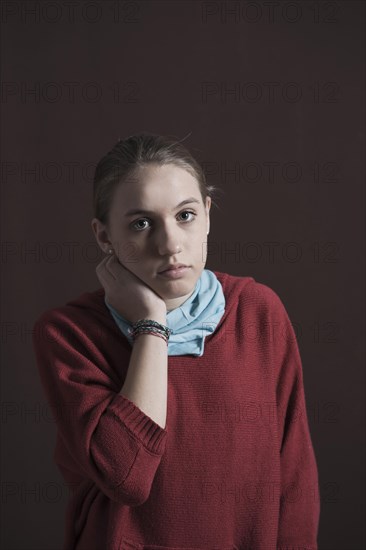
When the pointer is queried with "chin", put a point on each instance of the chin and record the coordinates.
(176, 288)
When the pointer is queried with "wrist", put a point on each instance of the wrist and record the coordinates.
(150, 326)
(158, 315)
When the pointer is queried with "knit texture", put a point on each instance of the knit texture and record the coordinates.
(234, 467)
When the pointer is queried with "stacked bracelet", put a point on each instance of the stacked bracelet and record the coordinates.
(149, 326)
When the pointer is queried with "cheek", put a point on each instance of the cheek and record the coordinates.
(129, 254)
(200, 241)
(137, 259)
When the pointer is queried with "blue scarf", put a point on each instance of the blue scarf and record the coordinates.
(192, 321)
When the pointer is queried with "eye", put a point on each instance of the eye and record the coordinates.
(189, 212)
(134, 224)
(140, 228)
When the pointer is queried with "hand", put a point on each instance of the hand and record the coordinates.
(127, 293)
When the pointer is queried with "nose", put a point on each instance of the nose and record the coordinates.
(168, 239)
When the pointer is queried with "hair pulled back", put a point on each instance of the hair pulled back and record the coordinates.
(128, 155)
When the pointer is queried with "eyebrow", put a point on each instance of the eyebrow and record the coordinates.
(139, 211)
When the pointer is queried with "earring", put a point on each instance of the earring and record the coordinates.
(110, 251)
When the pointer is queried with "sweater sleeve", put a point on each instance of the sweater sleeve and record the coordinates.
(299, 497)
(113, 442)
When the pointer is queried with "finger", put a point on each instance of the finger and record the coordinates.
(102, 262)
(110, 265)
(103, 273)
(118, 265)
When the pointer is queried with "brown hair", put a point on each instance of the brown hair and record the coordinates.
(128, 155)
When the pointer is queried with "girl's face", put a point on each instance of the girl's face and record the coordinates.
(160, 231)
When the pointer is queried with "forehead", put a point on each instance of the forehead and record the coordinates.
(154, 186)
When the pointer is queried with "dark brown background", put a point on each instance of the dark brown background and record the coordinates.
(134, 66)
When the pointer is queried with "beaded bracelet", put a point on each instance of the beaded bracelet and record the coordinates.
(149, 331)
(149, 326)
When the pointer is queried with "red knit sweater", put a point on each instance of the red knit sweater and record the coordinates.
(234, 468)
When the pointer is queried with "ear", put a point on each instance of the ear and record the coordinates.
(101, 235)
(208, 206)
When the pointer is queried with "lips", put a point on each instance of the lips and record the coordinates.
(172, 267)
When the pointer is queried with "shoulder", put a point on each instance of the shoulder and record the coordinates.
(249, 293)
(257, 313)
(82, 311)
